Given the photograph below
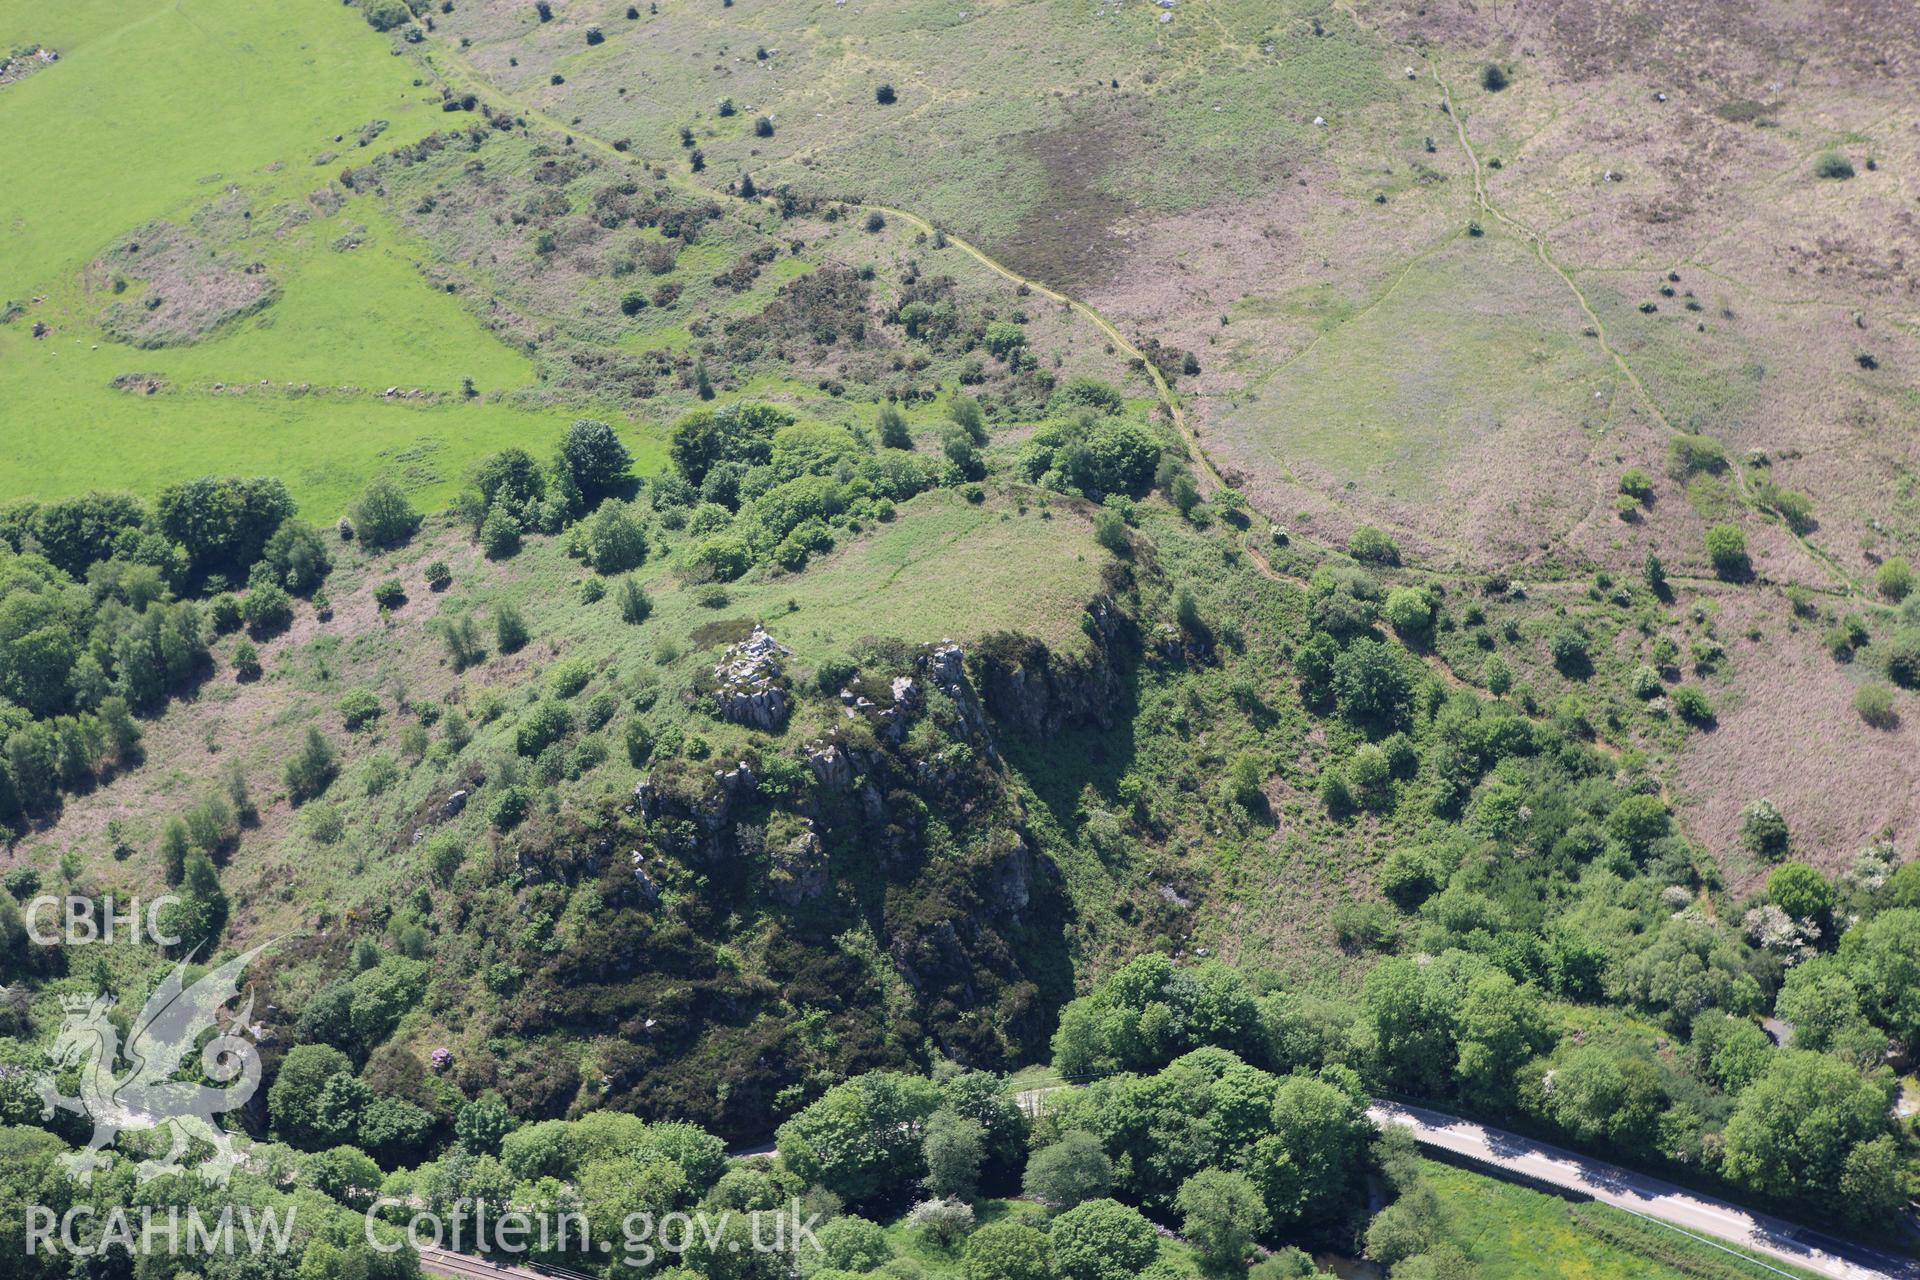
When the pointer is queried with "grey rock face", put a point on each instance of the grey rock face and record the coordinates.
(750, 686)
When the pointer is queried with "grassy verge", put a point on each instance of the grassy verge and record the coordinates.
(1512, 1232)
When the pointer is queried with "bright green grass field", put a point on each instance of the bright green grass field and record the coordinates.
(154, 107)
(1512, 1233)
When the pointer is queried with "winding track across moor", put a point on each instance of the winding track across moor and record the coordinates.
(458, 74)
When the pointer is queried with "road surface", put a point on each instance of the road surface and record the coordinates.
(1691, 1211)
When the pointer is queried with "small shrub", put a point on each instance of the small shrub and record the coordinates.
(385, 15)
(1646, 683)
(439, 577)
(381, 773)
(1833, 165)
(312, 769)
(1794, 508)
(390, 594)
(323, 823)
(1902, 656)
(359, 708)
(1894, 578)
(462, 638)
(1691, 705)
(635, 605)
(1692, 455)
(509, 808)
(382, 516)
(943, 1223)
(246, 660)
(1727, 549)
(1335, 794)
(1763, 830)
(639, 741)
(1571, 651)
(268, 611)
(885, 96)
(1874, 703)
(1493, 77)
(509, 629)
(1373, 546)
(225, 613)
(1110, 531)
(499, 533)
(1840, 641)
(1637, 484)
(1410, 610)
(600, 709)
(568, 678)
(544, 724)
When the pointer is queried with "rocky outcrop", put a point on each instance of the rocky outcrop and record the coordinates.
(644, 880)
(1029, 687)
(1009, 877)
(750, 685)
(798, 870)
(832, 766)
(676, 792)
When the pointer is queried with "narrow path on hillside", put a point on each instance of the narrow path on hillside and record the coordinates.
(1627, 371)
(461, 77)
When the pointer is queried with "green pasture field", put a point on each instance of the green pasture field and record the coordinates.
(152, 111)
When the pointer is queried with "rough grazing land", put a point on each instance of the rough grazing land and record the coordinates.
(1413, 301)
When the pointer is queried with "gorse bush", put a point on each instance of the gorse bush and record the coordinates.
(635, 605)
(1833, 165)
(1691, 455)
(1874, 705)
(1373, 546)
(1894, 578)
(1727, 550)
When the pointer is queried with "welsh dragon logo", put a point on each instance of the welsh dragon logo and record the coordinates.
(148, 1096)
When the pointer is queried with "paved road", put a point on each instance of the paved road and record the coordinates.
(1690, 1210)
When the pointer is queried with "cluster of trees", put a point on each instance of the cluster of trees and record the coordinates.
(751, 483)
(512, 494)
(96, 626)
(1565, 879)
(1479, 1022)
(312, 1236)
(1221, 1148)
(1090, 456)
